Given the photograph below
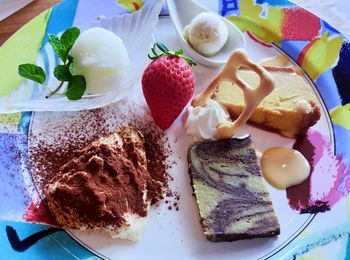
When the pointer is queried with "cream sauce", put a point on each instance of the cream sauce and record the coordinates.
(284, 167)
(252, 96)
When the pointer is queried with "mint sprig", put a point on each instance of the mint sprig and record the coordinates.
(63, 72)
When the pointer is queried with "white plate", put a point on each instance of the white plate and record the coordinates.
(178, 234)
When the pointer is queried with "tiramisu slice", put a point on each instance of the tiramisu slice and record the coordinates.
(231, 197)
(106, 186)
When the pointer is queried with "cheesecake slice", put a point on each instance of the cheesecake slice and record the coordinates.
(291, 109)
(105, 186)
(232, 200)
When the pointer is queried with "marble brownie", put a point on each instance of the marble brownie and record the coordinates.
(232, 200)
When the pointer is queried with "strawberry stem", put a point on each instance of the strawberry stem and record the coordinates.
(165, 51)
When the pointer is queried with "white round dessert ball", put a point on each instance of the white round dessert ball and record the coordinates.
(100, 56)
(207, 33)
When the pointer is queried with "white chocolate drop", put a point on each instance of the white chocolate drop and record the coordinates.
(284, 167)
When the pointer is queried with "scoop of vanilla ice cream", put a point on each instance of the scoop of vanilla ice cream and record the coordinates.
(202, 122)
(100, 56)
(206, 33)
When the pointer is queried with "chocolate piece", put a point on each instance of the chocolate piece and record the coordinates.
(105, 186)
(228, 185)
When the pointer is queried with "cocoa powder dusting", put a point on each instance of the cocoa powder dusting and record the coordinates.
(45, 159)
(101, 183)
(154, 185)
(156, 158)
(157, 151)
(72, 135)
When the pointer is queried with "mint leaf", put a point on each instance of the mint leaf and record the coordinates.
(76, 87)
(57, 46)
(70, 63)
(68, 39)
(32, 72)
(63, 46)
(62, 73)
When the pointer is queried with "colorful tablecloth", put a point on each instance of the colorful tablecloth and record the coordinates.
(29, 241)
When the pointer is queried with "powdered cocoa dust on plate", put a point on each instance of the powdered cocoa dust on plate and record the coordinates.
(56, 138)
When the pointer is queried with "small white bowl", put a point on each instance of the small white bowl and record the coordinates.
(182, 12)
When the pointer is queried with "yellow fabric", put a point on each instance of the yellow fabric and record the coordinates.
(22, 47)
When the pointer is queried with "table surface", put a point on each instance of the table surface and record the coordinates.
(15, 21)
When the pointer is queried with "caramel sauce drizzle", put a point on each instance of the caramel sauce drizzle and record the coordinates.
(252, 96)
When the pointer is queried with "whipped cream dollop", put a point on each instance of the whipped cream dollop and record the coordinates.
(202, 122)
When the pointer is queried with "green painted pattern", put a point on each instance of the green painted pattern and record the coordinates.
(10, 119)
(22, 47)
(341, 115)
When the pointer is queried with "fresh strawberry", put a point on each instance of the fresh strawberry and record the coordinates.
(167, 83)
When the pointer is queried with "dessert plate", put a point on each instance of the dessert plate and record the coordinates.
(311, 214)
